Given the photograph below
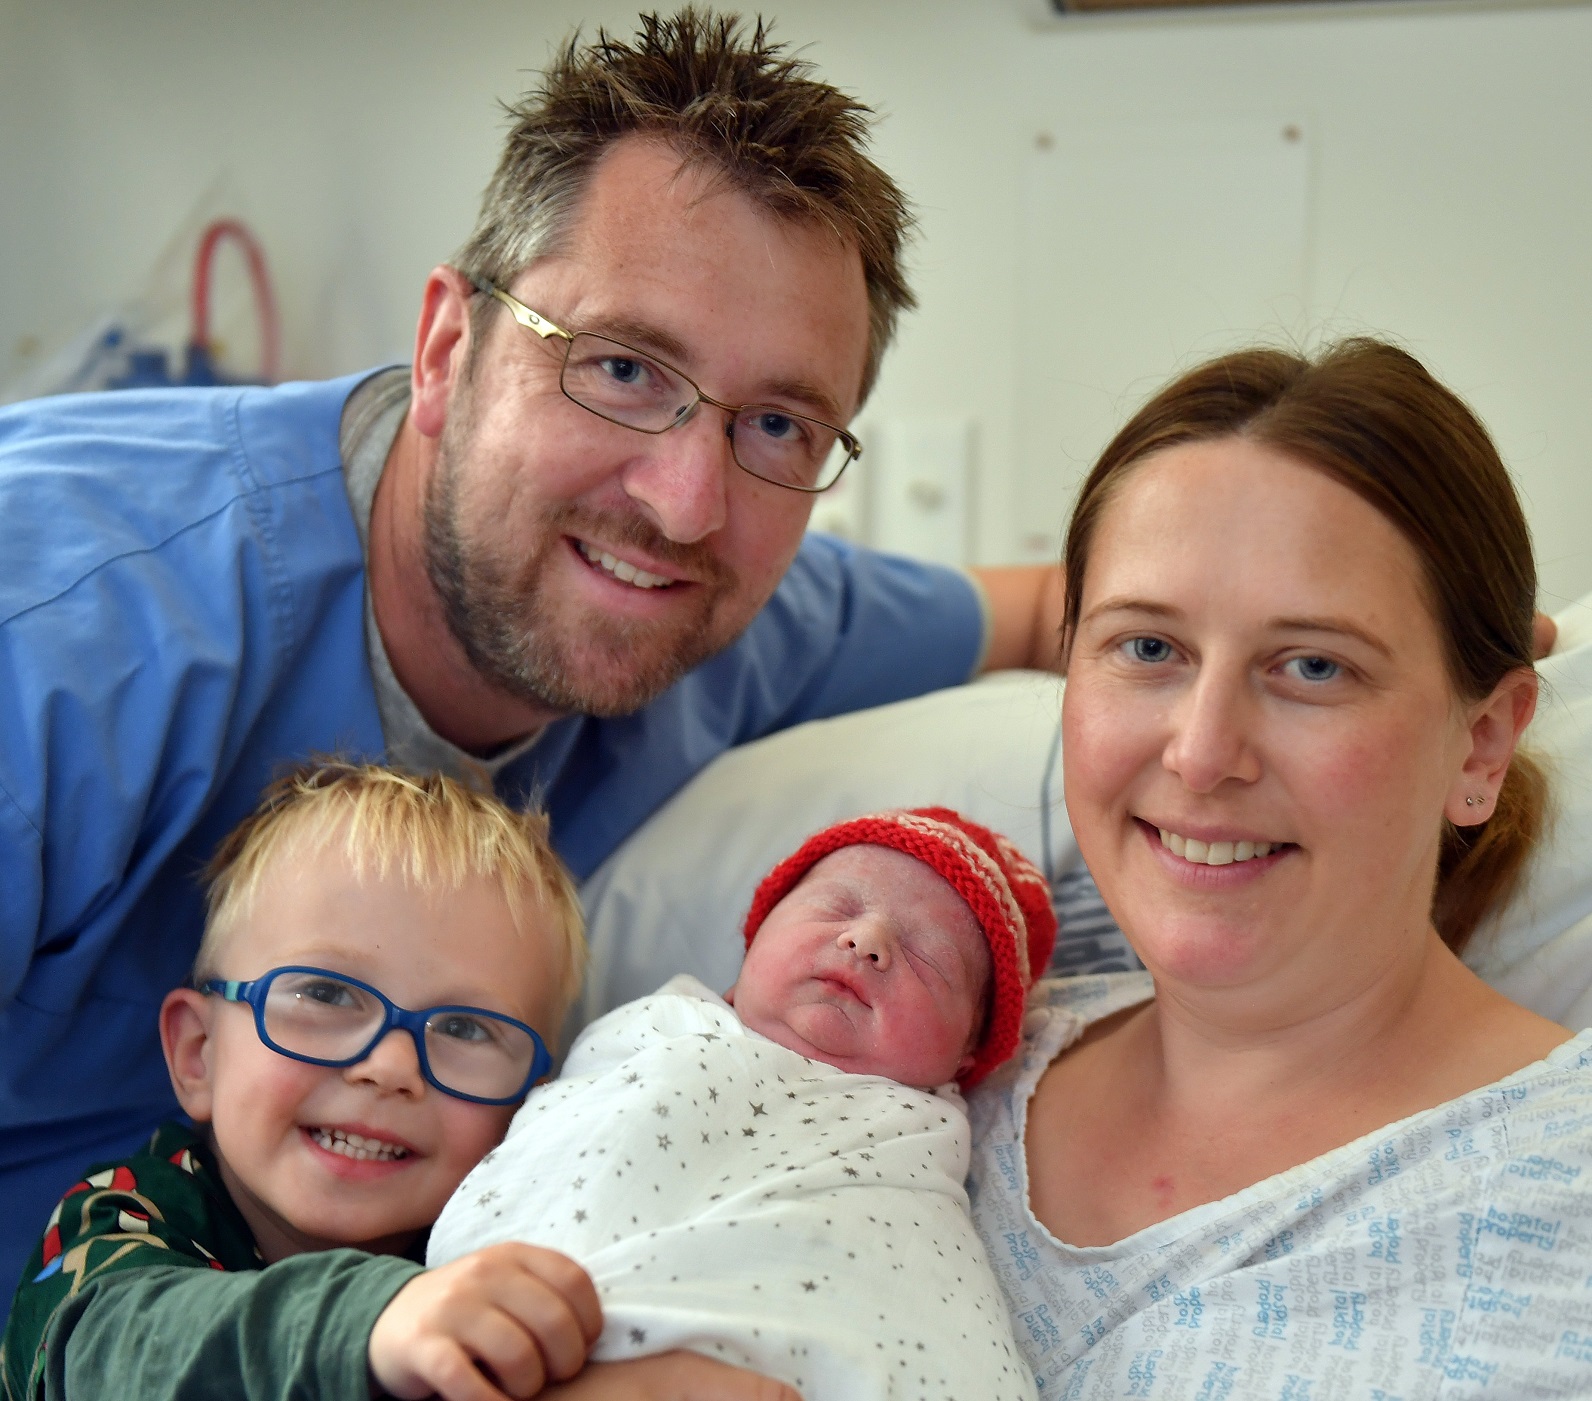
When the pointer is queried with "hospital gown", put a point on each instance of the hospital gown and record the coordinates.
(1447, 1255)
(731, 1196)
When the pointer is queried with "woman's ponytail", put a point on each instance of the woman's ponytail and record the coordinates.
(1480, 866)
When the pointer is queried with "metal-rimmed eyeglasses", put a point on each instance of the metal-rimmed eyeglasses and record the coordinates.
(629, 387)
(327, 1018)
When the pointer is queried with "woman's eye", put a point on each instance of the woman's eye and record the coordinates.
(1315, 669)
(1148, 649)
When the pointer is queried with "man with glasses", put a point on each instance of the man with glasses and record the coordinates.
(563, 551)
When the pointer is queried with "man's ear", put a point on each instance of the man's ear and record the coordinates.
(442, 345)
(185, 1037)
(1496, 724)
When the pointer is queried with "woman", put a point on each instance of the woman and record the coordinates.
(1308, 1153)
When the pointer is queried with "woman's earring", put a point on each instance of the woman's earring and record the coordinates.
(1479, 801)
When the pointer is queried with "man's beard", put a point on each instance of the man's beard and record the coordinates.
(588, 663)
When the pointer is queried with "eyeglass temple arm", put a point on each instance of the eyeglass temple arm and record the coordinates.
(522, 313)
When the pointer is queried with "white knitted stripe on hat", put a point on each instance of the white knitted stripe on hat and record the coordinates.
(1026, 872)
(984, 866)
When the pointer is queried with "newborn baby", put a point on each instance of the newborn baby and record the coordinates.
(779, 1183)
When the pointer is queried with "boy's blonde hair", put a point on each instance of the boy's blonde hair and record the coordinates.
(431, 829)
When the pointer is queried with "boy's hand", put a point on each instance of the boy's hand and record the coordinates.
(496, 1323)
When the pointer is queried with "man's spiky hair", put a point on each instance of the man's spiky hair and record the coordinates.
(727, 100)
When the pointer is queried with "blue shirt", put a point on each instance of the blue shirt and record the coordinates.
(181, 614)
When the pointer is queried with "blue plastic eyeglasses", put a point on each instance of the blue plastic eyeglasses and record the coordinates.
(326, 1018)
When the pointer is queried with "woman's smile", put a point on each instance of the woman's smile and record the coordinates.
(1214, 862)
(1215, 851)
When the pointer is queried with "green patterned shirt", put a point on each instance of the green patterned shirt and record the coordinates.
(148, 1283)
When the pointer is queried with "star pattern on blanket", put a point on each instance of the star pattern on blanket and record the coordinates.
(752, 1129)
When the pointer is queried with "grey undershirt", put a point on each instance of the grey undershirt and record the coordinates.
(371, 419)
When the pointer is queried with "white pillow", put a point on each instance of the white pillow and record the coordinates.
(672, 898)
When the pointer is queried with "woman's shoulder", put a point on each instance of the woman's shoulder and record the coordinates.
(1547, 1104)
(1568, 1057)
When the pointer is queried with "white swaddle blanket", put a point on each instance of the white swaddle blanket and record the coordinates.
(730, 1196)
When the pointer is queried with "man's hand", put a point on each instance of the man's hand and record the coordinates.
(494, 1324)
(1544, 633)
(671, 1376)
(1025, 605)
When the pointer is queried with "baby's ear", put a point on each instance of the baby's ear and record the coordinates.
(730, 996)
(185, 1038)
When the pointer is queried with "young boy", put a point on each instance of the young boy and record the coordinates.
(329, 1116)
(779, 1184)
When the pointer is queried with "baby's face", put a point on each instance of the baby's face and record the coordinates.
(872, 964)
(320, 1156)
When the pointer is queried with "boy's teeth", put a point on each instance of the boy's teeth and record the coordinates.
(622, 570)
(1213, 853)
(357, 1146)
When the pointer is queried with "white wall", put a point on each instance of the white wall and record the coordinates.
(1450, 199)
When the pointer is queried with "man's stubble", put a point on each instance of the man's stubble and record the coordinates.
(518, 639)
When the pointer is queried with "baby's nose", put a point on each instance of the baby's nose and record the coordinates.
(866, 940)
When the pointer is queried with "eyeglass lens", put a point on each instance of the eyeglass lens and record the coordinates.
(473, 1052)
(624, 386)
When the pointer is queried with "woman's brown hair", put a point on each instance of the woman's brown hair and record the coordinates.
(1370, 416)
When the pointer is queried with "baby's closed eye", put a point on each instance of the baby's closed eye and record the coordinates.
(929, 959)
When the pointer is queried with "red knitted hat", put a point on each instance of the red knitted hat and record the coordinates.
(1003, 888)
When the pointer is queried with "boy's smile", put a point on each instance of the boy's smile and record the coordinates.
(361, 1155)
(359, 1147)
